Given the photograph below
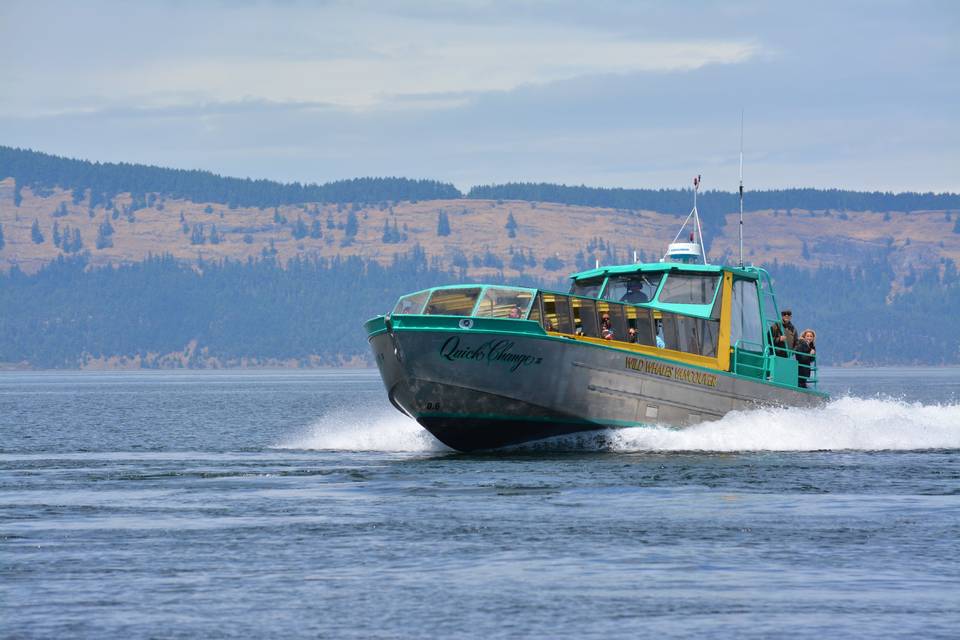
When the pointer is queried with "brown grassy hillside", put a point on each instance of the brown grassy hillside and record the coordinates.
(917, 240)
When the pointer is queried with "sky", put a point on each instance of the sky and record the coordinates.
(855, 95)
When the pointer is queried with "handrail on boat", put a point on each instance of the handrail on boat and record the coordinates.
(764, 370)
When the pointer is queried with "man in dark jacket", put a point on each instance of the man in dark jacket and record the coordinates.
(783, 334)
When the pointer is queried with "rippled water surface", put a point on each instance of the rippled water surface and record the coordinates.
(279, 504)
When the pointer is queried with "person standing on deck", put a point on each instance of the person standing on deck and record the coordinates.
(783, 334)
(806, 354)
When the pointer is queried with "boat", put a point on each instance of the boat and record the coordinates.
(671, 343)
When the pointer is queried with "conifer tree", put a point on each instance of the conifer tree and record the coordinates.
(443, 224)
(56, 233)
(76, 243)
(197, 236)
(511, 226)
(35, 233)
(299, 230)
(315, 231)
(215, 237)
(553, 263)
(104, 231)
(350, 230)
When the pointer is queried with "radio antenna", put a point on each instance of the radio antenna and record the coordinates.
(688, 251)
(741, 187)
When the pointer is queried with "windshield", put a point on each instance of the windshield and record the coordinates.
(502, 302)
(452, 302)
(412, 303)
(589, 288)
(683, 288)
(634, 288)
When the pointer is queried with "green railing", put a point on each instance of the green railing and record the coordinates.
(748, 361)
(763, 362)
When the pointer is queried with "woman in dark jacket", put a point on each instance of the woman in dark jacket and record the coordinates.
(807, 352)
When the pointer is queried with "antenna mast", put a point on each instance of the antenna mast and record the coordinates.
(741, 187)
(696, 219)
(688, 251)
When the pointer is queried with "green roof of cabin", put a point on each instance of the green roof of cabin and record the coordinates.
(664, 267)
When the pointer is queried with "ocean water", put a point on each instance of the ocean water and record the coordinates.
(300, 504)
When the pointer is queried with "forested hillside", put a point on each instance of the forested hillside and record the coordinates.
(677, 201)
(101, 182)
(162, 313)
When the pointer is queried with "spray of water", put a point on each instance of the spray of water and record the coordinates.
(848, 423)
(379, 430)
(845, 424)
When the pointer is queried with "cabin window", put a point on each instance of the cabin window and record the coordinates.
(500, 302)
(564, 315)
(634, 288)
(745, 325)
(452, 302)
(549, 303)
(589, 288)
(585, 317)
(536, 313)
(640, 319)
(556, 313)
(691, 335)
(709, 336)
(411, 304)
(684, 288)
(618, 318)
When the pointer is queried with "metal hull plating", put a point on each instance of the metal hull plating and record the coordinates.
(477, 390)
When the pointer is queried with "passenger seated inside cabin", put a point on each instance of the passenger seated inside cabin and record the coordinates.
(606, 327)
(549, 326)
(632, 335)
(806, 354)
(661, 343)
(514, 312)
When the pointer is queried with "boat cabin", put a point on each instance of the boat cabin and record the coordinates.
(711, 316)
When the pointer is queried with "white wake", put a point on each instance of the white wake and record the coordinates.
(853, 424)
(378, 430)
(848, 423)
